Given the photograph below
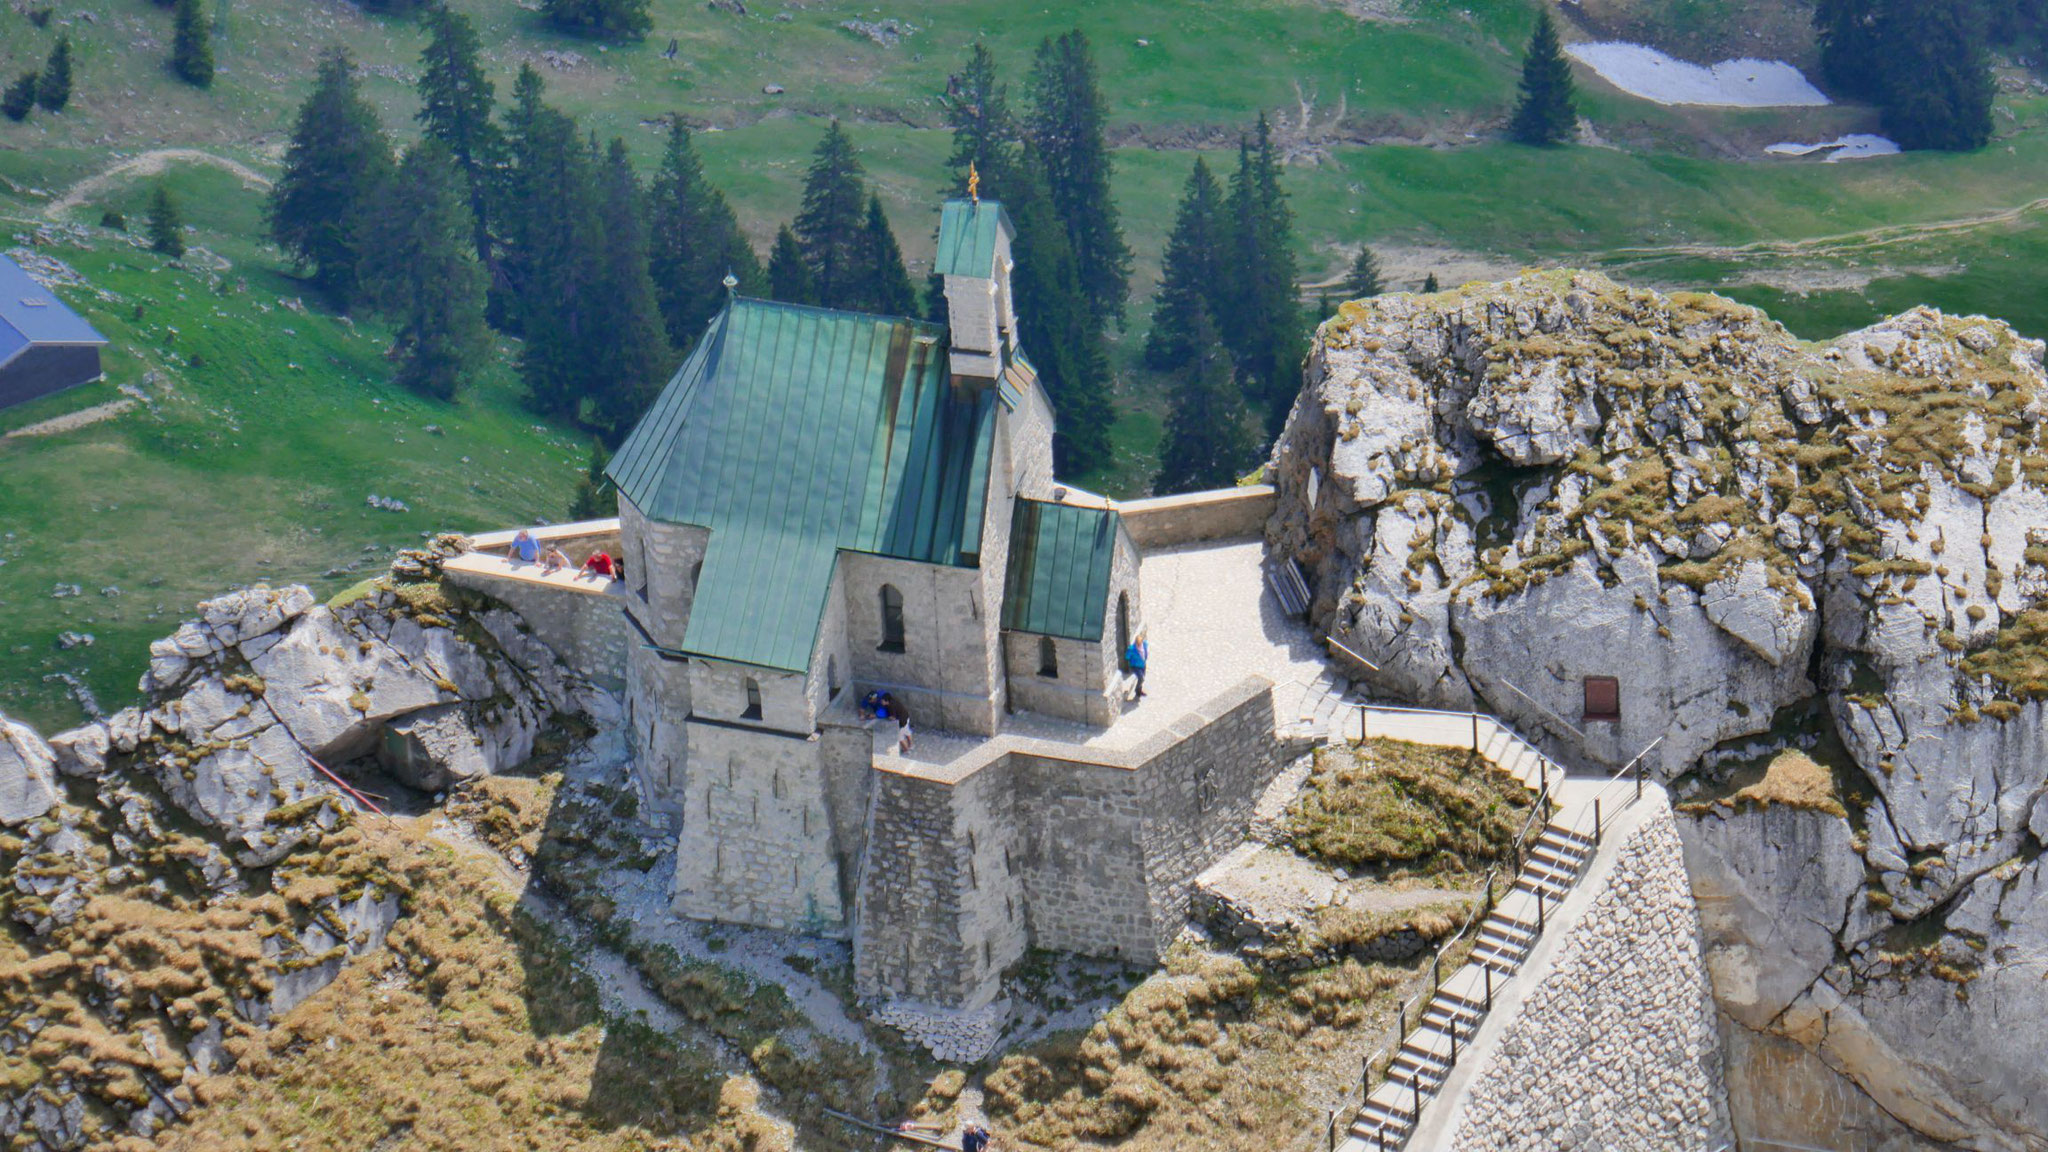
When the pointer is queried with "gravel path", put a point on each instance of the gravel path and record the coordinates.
(147, 164)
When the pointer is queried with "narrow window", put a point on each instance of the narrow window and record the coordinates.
(892, 619)
(832, 684)
(1603, 698)
(1123, 629)
(753, 711)
(1048, 658)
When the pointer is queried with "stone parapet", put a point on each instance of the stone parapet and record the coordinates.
(1222, 514)
(582, 620)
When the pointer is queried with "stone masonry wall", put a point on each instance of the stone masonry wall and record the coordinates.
(757, 835)
(1197, 796)
(1618, 1047)
(1082, 857)
(908, 942)
(584, 627)
(1164, 521)
(947, 674)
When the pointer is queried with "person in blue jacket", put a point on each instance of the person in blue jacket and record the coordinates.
(1134, 659)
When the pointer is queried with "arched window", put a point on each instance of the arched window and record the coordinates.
(892, 619)
(1048, 657)
(832, 678)
(753, 711)
(1123, 629)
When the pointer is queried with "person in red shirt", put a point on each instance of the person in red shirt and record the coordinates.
(599, 564)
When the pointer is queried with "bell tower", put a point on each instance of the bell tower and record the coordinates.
(974, 260)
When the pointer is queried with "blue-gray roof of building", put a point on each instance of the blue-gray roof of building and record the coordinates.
(35, 315)
(794, 433)
(1060, 561)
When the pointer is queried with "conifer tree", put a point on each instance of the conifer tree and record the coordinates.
(615, 19)
(592, 501)
(554, 252)
(1208, 439)
(1066, 126)
(53, 88)
(884, 285)
(337, 159)
(630, 356)
(1429, 284)
(833, 217)
(789, 276)
(694, 240)
(1852, 47)
(1261, 317)
(455, 108)
(166, 226)
(191, 44)
(1363, 280)
(419, 270)
(1546, 115)
(978, 111)
(1936, 85)
(1191, 275)
(20, 98)
(1057, 327)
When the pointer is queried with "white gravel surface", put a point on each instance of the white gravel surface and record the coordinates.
(1650, 74)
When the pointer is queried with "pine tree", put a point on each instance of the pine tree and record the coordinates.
(883, 286)
(554, 252)
(1261, 317)
(1545, 117)
(20, 98)
(615, 19)
(789, 276)
(632, 358)
(592, 501)
(166, 227)
(694, 241)
(455, 108)
(1363, 280)
(1056, 325)
(337, 159)
(1429, 285)
(1193, 270)
(1936, 85)
(1852, 48)
(53, 89)
(418, 269)
(1208, 439)
(1066, 126)
(832, 219)
(978, 112)
(191, 44)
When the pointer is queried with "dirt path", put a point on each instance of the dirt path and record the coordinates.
(1862, 239)
(73, 420)
(147, 164)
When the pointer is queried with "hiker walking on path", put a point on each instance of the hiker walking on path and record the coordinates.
(974, 1139)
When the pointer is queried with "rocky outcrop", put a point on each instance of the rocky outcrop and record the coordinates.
(194, 848)
(1502, 492)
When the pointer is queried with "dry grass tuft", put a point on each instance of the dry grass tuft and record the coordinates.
(1408, 809)
(1795, 780)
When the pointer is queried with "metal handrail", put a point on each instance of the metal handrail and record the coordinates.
(1620, 777)
(1510, 685)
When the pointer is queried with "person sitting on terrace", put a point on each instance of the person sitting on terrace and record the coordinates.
(555, 560)
(599, 564)
(525, 549)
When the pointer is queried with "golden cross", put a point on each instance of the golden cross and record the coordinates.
(973, 183)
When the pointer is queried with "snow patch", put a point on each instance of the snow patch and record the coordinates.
(1854, 146)
(1642, 71)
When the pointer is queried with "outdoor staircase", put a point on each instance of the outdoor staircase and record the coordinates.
(1322, 701)
(1458, 1006)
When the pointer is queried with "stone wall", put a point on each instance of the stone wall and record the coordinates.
(758, 832)
(1617, 1047)
(1081, 691)
(583, 625)
(948, 674)
(1223, 514)
(967, 869)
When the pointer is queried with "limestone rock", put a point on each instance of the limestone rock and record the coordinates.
(28, 781)
(334, 690)
(82, 751)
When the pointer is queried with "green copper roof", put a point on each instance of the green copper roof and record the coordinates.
(967, 238)
(1060, 558)
(793, 433)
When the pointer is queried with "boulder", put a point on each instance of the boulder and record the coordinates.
(28, 780)
(334, 690)
(83, 751)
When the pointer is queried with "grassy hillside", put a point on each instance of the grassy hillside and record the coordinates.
(254, 462)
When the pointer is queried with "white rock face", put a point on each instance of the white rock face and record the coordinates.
(335, 690)
(28, 781)
(1842, 547)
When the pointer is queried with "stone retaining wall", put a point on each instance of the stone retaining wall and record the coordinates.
(1223, 514)
(1618, 1047)
(586, 627)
